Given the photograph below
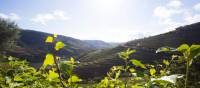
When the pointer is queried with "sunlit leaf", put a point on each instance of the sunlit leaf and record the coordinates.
(52, 75)
(194, 51)
(132, 70)
(49, 39)
(10, 58)
(166, 62)
(18, 78)
(59, 45)
(137, 63)
(49, 60)
(55, 35)
(117, 74)
(125, 55)
(152, 71)
(183, 48)
(164, 49)
(74, 79)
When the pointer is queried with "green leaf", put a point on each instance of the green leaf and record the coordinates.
(194, 51)
(49, 39)
(10, 58)
(52, 75)
(152, 71)
(129, 51)
(49, 60)
(183, 48)
(66, 68)
(18, 78)
(59, 45)
(132, 70)
(55, 35)
(125, 54)
(163, 49)
(117, 74)
(137, 63)
(74, 79)
(166, 62)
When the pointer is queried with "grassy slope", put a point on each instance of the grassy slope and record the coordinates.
(98, 63)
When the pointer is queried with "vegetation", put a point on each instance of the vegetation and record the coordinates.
(8, 33)
(59, 73)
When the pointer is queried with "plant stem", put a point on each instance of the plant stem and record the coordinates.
(187, 73)
(57, 67)
(59, 72)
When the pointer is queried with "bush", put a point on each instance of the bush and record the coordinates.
(8, 33)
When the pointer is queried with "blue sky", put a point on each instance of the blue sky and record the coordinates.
(107, 20)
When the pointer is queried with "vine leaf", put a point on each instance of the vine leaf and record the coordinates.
(49, 39)
(59, 45)
(166, 62)
(52, 75)
(74, 79)
(152, 71)
(49, 60)
(137, 63)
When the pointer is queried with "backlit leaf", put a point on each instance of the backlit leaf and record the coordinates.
(137, 63)
(52, 75)
(59, 45)
(49, 60)
(55, 35)
(132, 70)
(74, 79)
(183, 48)
(49, 39)
(152, 71)
(166, 62)
(18, 78)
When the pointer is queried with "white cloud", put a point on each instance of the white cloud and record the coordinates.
(175, 3)
(168, 13)
(11, 16)
(56, 15)
(193, 19)
(197, 7)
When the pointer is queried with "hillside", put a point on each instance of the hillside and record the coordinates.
(98, 63)
(31, 46)
(100, 44)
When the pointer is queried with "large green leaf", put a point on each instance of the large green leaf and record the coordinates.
(137, 63)
(52, 75)
(183, 48)
(59, 45)
(165, 49)
(49, 60)
(194, 51)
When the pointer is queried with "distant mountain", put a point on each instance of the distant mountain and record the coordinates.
(100, 44)
(31, 46)
(96, 64)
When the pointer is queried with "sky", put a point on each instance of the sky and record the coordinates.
(107, 20)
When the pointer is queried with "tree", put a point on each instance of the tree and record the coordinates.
(8, 33)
